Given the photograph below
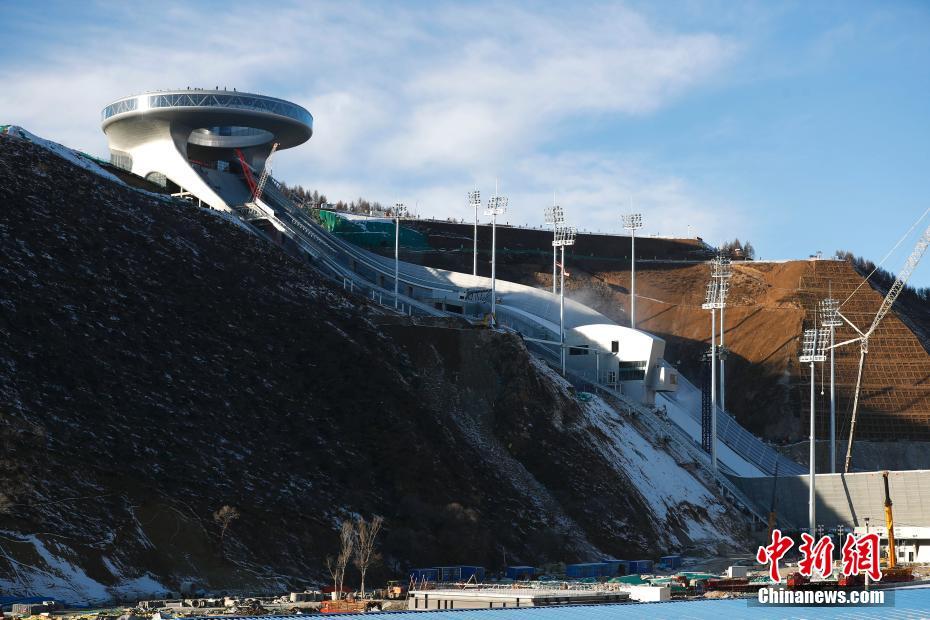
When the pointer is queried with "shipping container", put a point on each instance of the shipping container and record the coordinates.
(617, 567)
(591, 569)
(520, 573)
(447, 574)
(638, 567)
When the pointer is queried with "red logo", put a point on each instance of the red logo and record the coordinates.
(774, 552)
(817, 557)
(860, 555)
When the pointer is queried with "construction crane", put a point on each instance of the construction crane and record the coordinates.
(863, 338)
(266, 172)
(889, 525)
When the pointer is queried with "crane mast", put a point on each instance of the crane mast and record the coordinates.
(900, 281)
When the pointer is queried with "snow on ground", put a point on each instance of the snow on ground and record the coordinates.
(65, 153)
(60, 579)
(655, 473)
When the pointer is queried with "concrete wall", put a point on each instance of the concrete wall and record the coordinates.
(845, 499)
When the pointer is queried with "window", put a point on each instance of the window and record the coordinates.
(615, 346)
(579, 350)
(632, 371)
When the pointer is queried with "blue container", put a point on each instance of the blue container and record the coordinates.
(670, 562)
(638, 567)
(590, 569)
(520, 573)
(617, 567)
(424, 574)
(451, 574)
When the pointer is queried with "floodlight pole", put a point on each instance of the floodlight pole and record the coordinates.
(553, 260)
(475, 199)
(562, 311)
(632, 222)
(813, 458)
(832, 403)
(398, 208)
(496, 206)
(633, 278)
(713, 388)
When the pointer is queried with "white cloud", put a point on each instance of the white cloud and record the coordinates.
(417, 104)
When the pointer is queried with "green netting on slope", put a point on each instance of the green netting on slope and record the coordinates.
(372, 233)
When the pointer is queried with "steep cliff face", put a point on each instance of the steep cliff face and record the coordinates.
(158, 362)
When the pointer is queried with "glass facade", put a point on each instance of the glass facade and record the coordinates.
(196, 99)
(632, 371)
(126, 105)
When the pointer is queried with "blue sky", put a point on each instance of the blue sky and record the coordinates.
(801, 126)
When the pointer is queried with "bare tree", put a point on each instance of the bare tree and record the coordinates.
(365, 535)
(333, 573)
(346, 543)
(224, 518)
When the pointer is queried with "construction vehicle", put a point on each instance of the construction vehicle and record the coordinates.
(773, 517)
(863, 338)
(889, 525)
(395, 591)
(893, 572)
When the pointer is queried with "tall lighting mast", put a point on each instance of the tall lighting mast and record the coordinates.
(713, 301)
(830, 318)
(496, 206)
(632, 222)
(722, 271)
(564, 235)
(556, 217)
(400, 212)
(474, 199)
(813, 349)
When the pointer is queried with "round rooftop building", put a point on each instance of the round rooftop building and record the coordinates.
(191, 137)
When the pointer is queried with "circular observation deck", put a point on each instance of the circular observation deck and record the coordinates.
(214, 118)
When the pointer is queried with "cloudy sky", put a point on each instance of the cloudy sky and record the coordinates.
(799, 126)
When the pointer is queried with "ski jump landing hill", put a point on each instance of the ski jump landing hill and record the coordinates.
(209, 143)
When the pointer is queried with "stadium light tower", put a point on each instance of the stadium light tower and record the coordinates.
(496, 206)
(712, 301)
(722, 270)
(564, 235)
(556, 217)
(400, 211)
(813, 349)
(632, 222)
(474, 199)
(830, 318)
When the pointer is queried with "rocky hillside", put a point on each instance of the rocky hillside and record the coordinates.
(158, 362)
